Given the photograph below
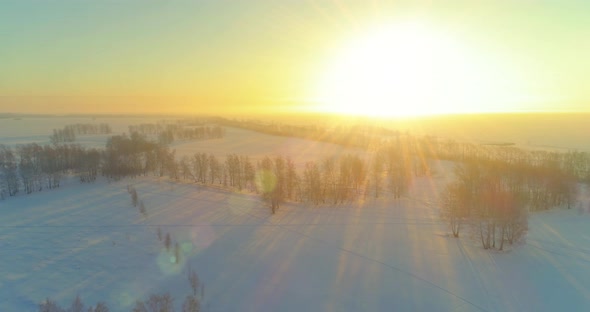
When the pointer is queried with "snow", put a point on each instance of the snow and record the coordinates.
(369, 255)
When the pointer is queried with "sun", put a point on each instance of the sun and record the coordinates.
(403, 69)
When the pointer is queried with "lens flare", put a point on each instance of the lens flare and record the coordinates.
(265, 180)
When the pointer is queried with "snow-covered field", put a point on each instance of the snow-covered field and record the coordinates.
(371, 255)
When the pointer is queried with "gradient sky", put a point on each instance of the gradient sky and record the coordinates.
(121, 56)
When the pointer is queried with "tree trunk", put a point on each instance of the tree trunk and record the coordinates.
(502, 238)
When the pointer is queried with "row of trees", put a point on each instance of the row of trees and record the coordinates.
(355, 136)
(550, 178)
(331, 180)
(277, 179)
(135, 155)
(69, 132)
(395, 166)
(168, 133)
(575, 164)
(88, 128)
(33, 167)
(570, 165)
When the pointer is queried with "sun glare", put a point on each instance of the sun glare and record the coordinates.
(404, 69)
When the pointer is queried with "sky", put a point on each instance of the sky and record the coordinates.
(210, 56)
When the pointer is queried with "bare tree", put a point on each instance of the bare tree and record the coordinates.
(454, 206)
(160, 303)
(167, 241)
(193, 280)
(312, 183)
(377, 172)
(191, 304)
(100, 307)
(77, 305)
(140, 307)
(134, 197)
(142, 209)
(214, 169)
(176, 252)
(50, 306)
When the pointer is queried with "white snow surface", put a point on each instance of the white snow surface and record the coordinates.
(376, 255)
(370, 255)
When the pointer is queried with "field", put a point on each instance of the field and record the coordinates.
(369, 255)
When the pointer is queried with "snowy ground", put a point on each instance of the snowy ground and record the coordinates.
(371, 255)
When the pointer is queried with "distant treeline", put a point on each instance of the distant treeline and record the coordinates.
(69, 132)
(167, 133)
(550, 177)
(573, 163)
(355, 136)
(33, 167)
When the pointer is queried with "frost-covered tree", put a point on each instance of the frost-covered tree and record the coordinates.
(160, 303)
(312, 183)
(493, 200)
(167, 241)
(291, 179)
(191, 304)
(50, 306)
(140, 307)
(214, 169)
(193, 280)
(134, 197)
(155, 303)
(100, 307)
(377, 173)
(454, 202)
(176, 252)
(77, 305)
(142, 209)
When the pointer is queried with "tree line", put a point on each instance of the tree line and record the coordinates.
(361, 137)
(33, 167)
(277, 179)
(167, 133)
(69, 132)
(550, 178)
(573, 164)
